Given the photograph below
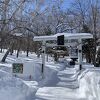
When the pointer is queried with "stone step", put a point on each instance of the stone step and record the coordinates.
(71, 85)
(68, 79)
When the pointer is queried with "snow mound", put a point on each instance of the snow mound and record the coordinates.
(6, 69)
(89, 86)
(12, 88)
(4, 74)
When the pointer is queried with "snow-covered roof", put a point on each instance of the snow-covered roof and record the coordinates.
(18, 34)
(66, 36)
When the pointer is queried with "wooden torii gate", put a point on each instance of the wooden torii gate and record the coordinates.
(67, 36)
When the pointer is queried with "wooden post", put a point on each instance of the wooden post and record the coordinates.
(80, 54)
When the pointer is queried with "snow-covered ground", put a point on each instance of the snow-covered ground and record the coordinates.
(12, 88)
(59, 81)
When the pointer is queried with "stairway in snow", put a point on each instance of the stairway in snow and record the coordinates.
(68, 78)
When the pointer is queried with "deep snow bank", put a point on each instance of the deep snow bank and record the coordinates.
(90, 86)
(12, 88)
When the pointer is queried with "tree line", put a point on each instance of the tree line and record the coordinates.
(30, 18)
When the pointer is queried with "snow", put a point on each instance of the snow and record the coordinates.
(72, 85)
(66, 36)
(48, 74)
(12, 88)
(75, 35)
(91, 88)
(60, 81)
(56, 93)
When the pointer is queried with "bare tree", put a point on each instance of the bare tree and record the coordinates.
(87, 12)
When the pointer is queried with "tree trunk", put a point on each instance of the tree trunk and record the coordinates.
(5, 56)
(17, 53)
(27, 52)
(1, 49)
(11, 51)
(1, 46)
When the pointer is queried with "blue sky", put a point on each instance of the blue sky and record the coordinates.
(67, 3)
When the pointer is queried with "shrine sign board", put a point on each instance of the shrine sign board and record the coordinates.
(17, 68)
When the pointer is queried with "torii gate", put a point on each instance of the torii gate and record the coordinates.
(67, 36)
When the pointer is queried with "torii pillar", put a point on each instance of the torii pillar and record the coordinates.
(43, 57)
(80, 53)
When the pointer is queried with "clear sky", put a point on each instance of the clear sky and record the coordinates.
(67, 3)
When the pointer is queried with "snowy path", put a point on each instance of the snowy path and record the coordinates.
(65, 89)
(57, 93)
